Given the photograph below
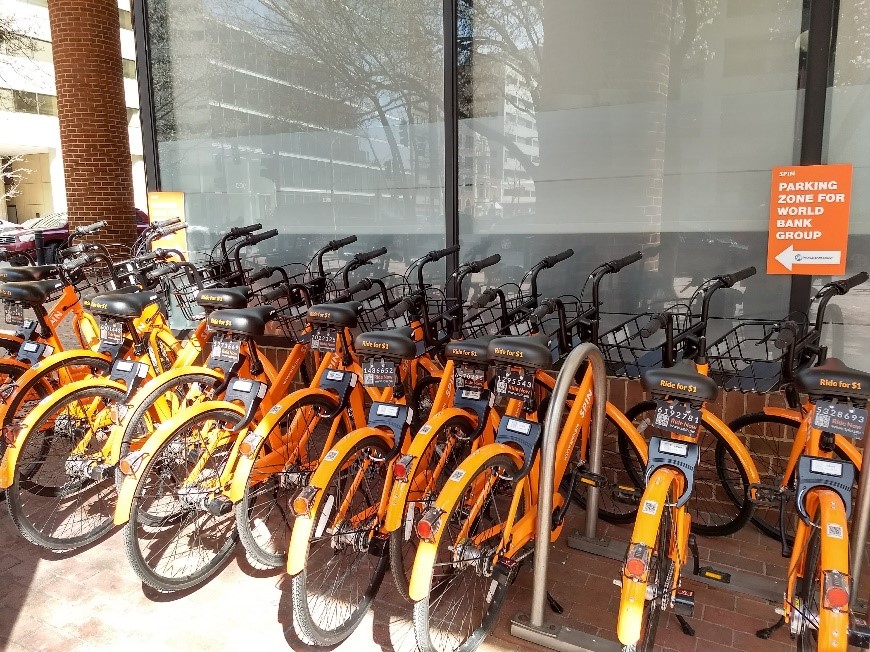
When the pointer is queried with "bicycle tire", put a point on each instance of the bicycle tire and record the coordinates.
(432, 628)
(403, 542)
(714, 513)
(10, 374)
(73, 510)
(422, 399)
(263, 518)
(143, 422)
(348, 603)
(187, 525)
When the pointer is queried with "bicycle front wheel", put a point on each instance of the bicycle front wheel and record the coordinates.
(289, 454)
(180, 532)
(807, 606)
(714, 512)
(341, 576)
(61, 497)
(465, 599)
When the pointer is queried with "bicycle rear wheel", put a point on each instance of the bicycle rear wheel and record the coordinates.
(60, 498)
(465, 599)
(341, 576)
(179, 532)
(807, 604)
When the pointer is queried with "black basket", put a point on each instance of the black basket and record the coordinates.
(627, 353)
(490, 320)
(375, 307)
(745, 359)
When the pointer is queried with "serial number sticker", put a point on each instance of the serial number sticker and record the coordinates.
(124, 365)
(242, 386)
(514, 384)
(379, 373)
(457, 475)
(228, 350)
(673, 447)
(650, 507)
(324, 339)
(522, 427)
(14, 313)
(331, 455)
(471, 394)
(387, 410)
(332, 374)
(111, 332)
(468, 377)
(840, 419)
(827, 468)
(835, 531)
(678, 418)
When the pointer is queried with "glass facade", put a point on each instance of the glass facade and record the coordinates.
(316, 119)
(605, 126)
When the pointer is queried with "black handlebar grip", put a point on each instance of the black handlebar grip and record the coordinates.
(547, 306)
(157, 272)
(736, 277)
(616, 265)
(371, 255)
(265, 235)
(438, 254)
(478, 265)
(171, 229)
(787, 334)
(362, 286)
(239, 231)
(334, 245)
(160, 224)
(75, 263)
(549, 261)
(849, 283)
(484, 299)
(400, 308)
(276, 293)
(656, 322)
(263, 272)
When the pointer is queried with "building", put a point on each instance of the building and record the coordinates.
(28, 113)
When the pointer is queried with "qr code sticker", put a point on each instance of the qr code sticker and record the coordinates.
(823, 420)
(662, 420)
(650, 507)
(835, 531)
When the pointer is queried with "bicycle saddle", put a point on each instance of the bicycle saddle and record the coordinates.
(681, 381)
(395, 343)
(30, 292)
(339, 315)
(475, 350)
(29, 273)
(224, 297)
(527, 351)
(245, 321)
(833, 378)
(119, 304)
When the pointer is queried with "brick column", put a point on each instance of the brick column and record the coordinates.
(93, 115)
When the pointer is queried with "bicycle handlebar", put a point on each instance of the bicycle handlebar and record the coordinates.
(239, 231)
(847, 284)
(730, 279)
(159, 224)
(90, 228)
(616, 265)
(478, 265)
(276, 293)
(362, 286)
(263, 272)
(265, 235)
(485, 298)
(787, 334)
(549, 261)
(656, 323)
(334, 245)
(362, 259)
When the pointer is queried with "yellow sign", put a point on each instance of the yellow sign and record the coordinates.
(165, 206)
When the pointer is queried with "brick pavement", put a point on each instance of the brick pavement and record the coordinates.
(91, 600)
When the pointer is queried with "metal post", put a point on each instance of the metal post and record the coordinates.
(39, 243)
(548, 463)
(860, 522)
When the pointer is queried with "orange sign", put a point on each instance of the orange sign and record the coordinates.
(164, 206)
(809, 219)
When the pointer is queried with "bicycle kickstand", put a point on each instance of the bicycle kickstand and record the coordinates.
(767, 632)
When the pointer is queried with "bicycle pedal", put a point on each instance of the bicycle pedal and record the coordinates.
(859, 633)
(766, 494)
(378, 545)
(712, 574)
(626, 495)
(684, 603)
(220, 506)
(592, 479)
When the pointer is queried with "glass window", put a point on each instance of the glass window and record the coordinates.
(7, 102)
(25, 102)
(623, 126)
(314, 119)
(46, 104)
(129, 68)
(125, 18)
(848, 333)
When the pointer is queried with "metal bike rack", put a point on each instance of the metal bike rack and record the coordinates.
(859, 532)
(531, 627)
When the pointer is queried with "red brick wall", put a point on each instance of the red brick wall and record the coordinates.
(93, 115)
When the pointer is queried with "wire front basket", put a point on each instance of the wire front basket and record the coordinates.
(746, 359)
(628, 353)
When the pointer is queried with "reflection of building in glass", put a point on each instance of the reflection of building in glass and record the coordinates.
(259, 130)
(497, 166)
